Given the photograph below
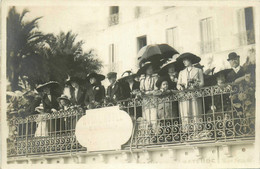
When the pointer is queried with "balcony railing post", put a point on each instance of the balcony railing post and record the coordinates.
(213, 112)
(74, 131)
(26, 136)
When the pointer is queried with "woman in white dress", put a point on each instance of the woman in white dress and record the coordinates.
(190, 78)
(147, 85)
(149, 108)
(42, 128)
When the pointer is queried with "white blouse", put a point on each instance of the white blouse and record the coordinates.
(190, 73)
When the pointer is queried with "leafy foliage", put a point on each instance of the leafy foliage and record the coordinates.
(22, 104)
(34, 58)
(23, 40)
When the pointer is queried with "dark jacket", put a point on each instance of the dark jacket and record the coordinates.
(80, 97)
(94, 94)
(126, 90)
(172, 85)
(114, 91)
(232, 75)
(49, 104)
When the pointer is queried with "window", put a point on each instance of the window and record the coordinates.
(114, 10)
(207, 35)
(246, 26)
(141, 42)
(172, 37)
(112, 57)
(113, 15)
(137, 11)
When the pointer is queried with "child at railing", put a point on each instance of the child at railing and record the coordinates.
(164, 110)
(64, 102)
(42, 128)
(64, 105)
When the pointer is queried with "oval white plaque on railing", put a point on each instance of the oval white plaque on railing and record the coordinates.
(104, 129)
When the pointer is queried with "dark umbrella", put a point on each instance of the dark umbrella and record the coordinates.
(148, 53)
(155, 53)
(167, 51)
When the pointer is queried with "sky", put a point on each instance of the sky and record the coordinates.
(81, 20)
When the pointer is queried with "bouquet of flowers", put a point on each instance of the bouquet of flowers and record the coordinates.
(193, 83)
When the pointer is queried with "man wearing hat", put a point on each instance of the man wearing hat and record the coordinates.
(129, 84)
(76, 91)
(114, 92)
(236, 70)
(95, 92)
(48, 96)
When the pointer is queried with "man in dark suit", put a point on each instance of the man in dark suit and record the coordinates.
(236, 75)
(128, 84)
(236, 70)
(76, 91)
(114, 89)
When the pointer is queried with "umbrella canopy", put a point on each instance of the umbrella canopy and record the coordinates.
(155, 53)
(148, 53)
(167, 51)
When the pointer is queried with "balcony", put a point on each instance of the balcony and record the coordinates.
(227, 117)
(113, 19)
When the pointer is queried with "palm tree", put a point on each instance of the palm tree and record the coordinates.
(66, 58)
(23, 40)
(34, 58)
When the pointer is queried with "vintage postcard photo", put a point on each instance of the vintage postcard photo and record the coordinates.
(129, 83)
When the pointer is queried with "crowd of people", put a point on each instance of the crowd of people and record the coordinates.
(179, 73)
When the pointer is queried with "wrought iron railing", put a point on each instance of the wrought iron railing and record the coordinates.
(226, 114)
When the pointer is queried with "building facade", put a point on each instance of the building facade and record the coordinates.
(211, 33)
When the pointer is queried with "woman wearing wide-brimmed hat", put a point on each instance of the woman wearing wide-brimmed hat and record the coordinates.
(95, 92)
(77, 92)
(130, 87)
(171, 69)
(148, 77)
(129, 84)
(190, 78)
(48, 96)
(148, 80)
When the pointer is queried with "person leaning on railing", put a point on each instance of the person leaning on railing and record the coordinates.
(170, 70)
(190, 78)
(114, 90)
(49, 96)
(76, 91)
(129, 90)
(95, 92)
(147, 86)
